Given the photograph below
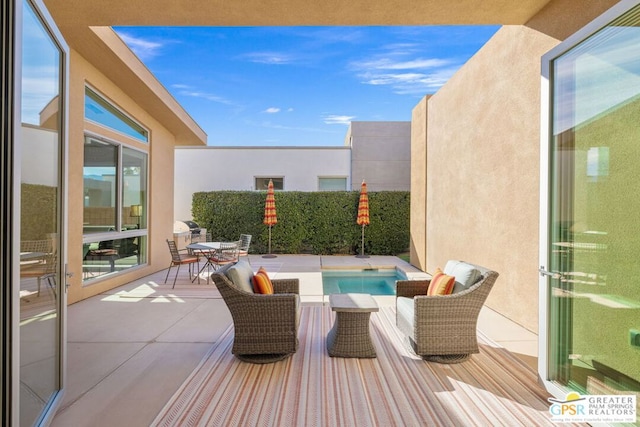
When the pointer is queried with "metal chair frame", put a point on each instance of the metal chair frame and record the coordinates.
(179, 259)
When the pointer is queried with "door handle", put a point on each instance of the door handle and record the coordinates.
(68, 275)
(553, 275)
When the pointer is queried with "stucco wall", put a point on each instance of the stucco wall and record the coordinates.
(381, 155)
(160, 151)
(418, 220)
(482, 162)
(235, 168)
(483, 168)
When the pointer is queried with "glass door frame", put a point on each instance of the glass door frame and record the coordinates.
(546, 146)
(11, 17)
(13, 418)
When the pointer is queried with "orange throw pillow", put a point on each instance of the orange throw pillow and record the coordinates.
(441, 284)
(262, 283)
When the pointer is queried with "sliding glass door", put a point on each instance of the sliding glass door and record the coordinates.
(41, 292)
(593, 291)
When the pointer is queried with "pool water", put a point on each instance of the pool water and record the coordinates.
(374, 282)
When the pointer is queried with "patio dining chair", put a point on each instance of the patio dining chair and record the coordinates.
(39, 260)
(178, 259)
(245, 241)
(227, 254)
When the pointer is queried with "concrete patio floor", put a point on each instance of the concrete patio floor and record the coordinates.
(130, 349)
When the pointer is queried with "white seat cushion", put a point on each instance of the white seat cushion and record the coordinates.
(241, 274)
(405, 308)
(466, 274)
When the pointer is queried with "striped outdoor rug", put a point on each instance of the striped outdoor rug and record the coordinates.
(397, 388)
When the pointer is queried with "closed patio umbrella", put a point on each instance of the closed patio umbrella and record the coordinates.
(363, 215)
(270, 217)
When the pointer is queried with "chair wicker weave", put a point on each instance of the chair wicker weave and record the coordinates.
(443, 328)
(265, 326)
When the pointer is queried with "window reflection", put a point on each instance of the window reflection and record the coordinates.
(262, 183)
(594, 238)
(112, 256)
(134, 178)
(100, 111)
(39, 218)
(100, 175)
(115, 219)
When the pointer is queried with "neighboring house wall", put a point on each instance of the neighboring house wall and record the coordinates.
(381, 155)
(482, 159)
(235, 168)
(160, 150)
(41, 146)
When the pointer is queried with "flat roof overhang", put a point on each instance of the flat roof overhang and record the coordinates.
(103, 48)
(291, 12)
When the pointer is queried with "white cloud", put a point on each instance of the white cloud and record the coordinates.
(333, 119)
(186, 90)
(40, 85)
(414, 64)
(410, 83)
(270, 58)
(272, 110)
(403, 68)
(270, 125)
(144, 49)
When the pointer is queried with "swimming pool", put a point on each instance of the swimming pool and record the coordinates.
(374, 282)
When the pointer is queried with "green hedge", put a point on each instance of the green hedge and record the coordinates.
(38, 211)
(316, 222)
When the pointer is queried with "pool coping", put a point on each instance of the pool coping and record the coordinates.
(308, 269)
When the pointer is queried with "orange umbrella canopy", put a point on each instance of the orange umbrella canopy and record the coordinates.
(270, 217)
(363, 206)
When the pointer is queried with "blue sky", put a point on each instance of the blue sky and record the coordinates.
(300, 86)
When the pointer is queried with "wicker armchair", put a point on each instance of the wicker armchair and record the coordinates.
(442, 328)
(265, 326)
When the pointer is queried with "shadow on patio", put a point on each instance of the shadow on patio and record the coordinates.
(131, 348)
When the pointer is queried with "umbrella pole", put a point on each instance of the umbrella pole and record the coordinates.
(269, 255)
(362, 255)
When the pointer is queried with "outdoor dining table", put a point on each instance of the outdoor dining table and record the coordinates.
(27, 256)
(204, 246)
(205, 249)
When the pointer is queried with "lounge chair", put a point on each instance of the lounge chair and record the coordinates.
(443, 328)
(265, 326)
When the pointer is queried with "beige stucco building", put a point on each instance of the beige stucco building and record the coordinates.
(105, 78)
(380, 155)
(476, 159)
(377, 152)
(484, 156)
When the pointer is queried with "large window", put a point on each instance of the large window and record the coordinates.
(99, 110)
(262, 183)
(332, 184)
(115, 201)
